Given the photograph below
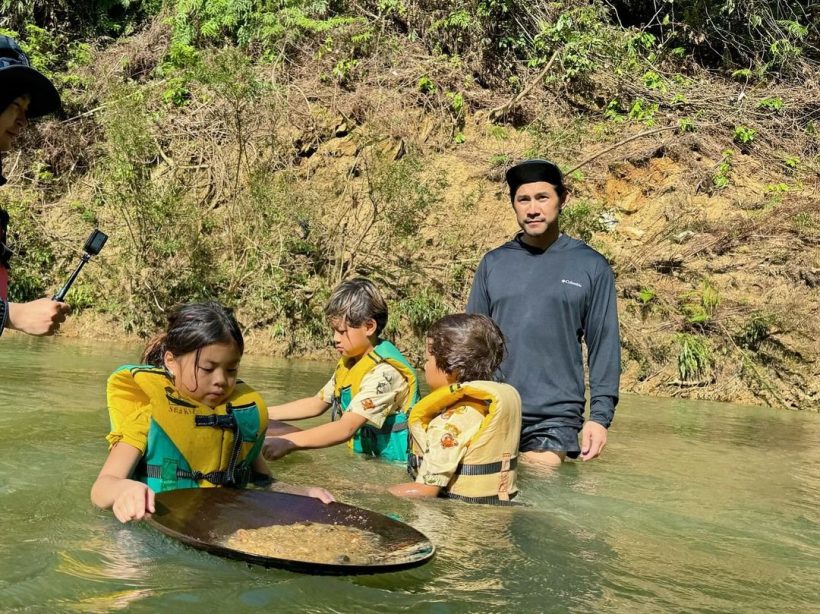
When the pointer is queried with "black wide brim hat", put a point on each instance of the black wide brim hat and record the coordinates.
(18, 80)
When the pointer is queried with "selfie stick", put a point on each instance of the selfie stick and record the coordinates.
(92, 247)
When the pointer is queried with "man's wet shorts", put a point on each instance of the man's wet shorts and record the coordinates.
(544, 437)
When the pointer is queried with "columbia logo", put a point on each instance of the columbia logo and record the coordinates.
(571, 283)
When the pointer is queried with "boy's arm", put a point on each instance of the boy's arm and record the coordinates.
(261, 467)
(380, 394)
(308, 407)
(414, 490)
(322, 436)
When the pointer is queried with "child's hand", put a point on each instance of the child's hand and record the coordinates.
(276, 447)
(319, 493)
(134, 502)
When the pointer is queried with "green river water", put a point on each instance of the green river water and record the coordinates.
(695, 506)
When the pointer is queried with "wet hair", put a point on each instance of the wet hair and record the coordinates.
(356, 301)
(471, 346)
(191, 327)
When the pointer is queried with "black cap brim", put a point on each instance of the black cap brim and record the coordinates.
(25, 80)
(532, 171)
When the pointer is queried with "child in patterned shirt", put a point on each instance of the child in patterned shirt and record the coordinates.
(371, 390)
(466, 431)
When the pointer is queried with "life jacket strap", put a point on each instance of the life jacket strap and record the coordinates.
(487, 468)
(238, 476)
(335, 409)
(413, 464)
(224, 421)
(489, 500)
(397, 427)
(504, 477)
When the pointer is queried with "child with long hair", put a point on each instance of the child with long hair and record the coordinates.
(465, 433)
(183, 419)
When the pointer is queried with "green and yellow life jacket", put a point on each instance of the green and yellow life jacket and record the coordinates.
(390, 441)
(487, 473)
(189, 444)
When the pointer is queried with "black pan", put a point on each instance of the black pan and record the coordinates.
(203, 517)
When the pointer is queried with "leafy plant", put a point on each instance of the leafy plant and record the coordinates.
(343, 71)
(643, 111)
(710, 297)
(686, 124)
(653, 81)
(646, 295)
(694, 358)
(582, 219)
(756, 330)
(744, 135)
(426, 85)
(422, 310)
(614, 112)
(770, 104)
(721, 178)
(500, 159)
(792, 163)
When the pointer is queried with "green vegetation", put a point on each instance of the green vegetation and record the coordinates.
(582, 219)
(770, 104)
(699, 307)
(755, 331)
(694, 358)
(722, 177)
(744, 135)
(284, 146)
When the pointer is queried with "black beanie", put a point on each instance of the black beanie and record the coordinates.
(531, 171)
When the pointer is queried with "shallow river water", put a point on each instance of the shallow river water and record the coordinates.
(694, 507)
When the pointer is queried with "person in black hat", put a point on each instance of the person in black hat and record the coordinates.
(550, 293)
(24, 93)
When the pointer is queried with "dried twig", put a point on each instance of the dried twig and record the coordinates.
(504, 108)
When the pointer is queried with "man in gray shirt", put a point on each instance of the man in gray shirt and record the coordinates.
(550, 293)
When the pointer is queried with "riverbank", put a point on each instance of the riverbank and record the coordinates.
(262, 171)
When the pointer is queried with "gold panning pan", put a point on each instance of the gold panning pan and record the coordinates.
(205, 517)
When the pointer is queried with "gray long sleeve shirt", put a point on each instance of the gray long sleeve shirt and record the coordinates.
(547, 302)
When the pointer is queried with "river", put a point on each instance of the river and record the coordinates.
(695, 506)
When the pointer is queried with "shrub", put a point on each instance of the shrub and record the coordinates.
(694, 358)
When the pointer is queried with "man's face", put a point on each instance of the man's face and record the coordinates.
(537, 206)
(13, 121)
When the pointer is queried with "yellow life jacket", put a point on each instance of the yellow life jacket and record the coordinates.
(390, 441)
(487, 473)
(189, 444)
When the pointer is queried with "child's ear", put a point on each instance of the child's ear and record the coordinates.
(170, 363)
(370, 327)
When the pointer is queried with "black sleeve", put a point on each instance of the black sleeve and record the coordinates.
(479, 301)
(603, 344)
(4, 314)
